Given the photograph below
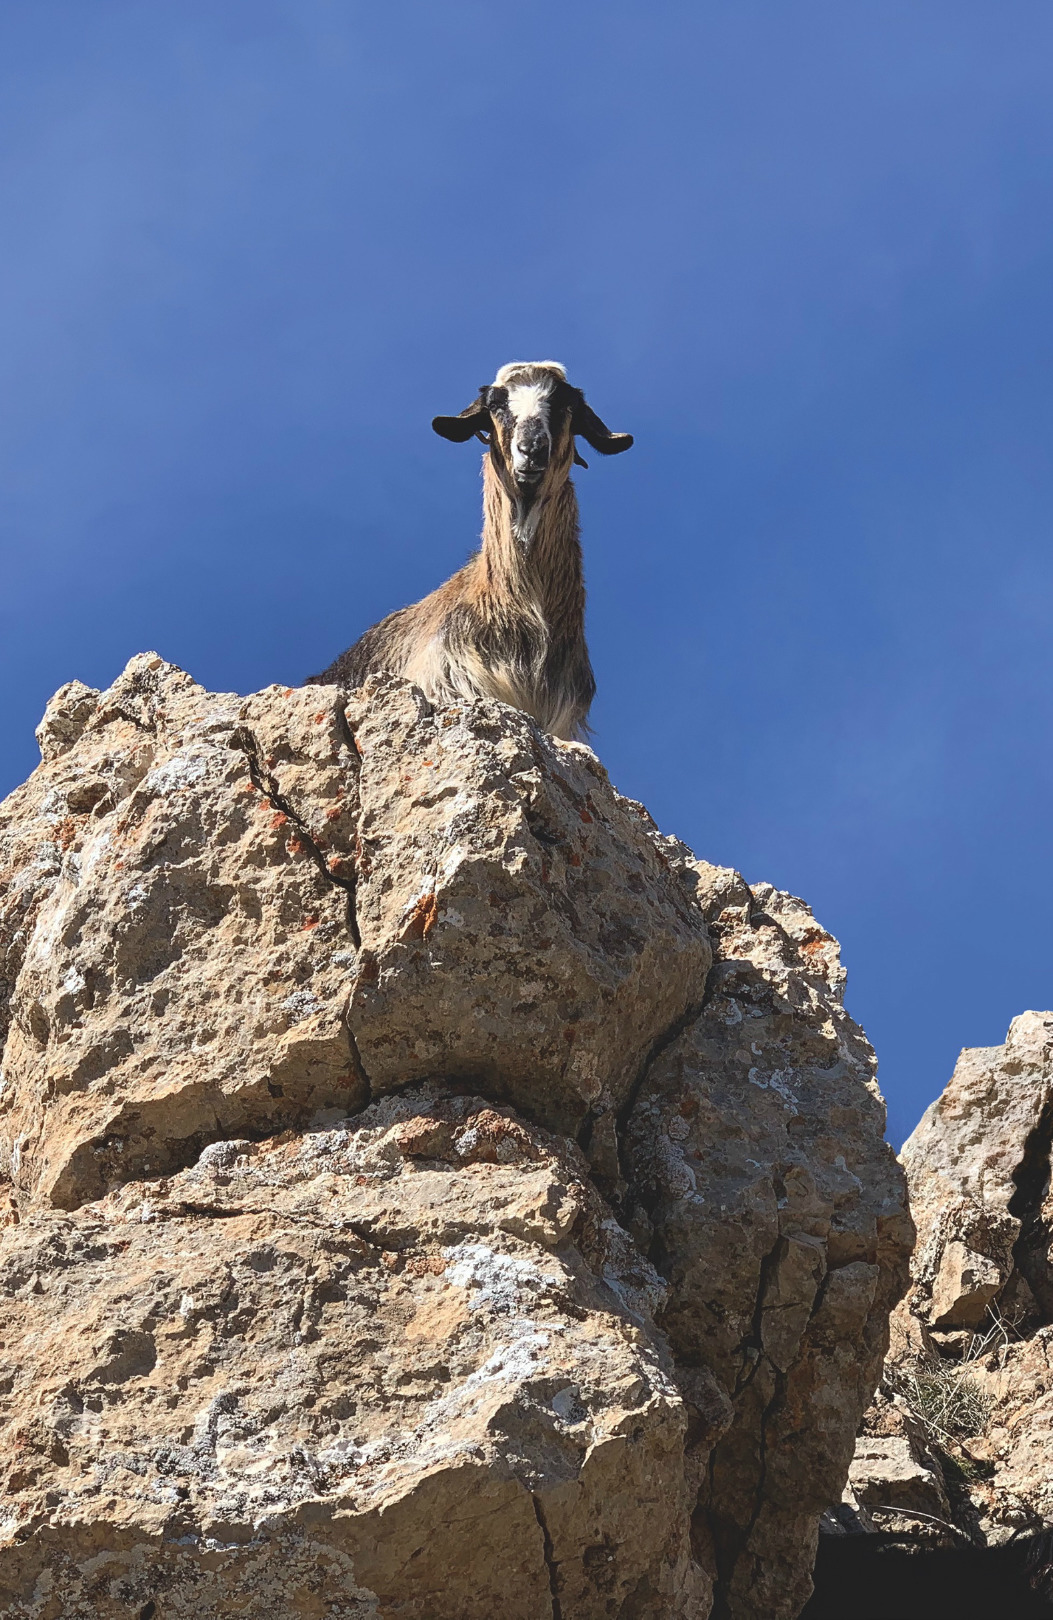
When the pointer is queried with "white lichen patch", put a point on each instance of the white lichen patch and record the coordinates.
(300, 1005)
(180, 772)
(495, 1282)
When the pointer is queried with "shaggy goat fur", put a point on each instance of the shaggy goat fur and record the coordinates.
(510, 624)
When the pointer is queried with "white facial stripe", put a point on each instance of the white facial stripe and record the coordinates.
(526, 400)
(528, 405)
(529, 387)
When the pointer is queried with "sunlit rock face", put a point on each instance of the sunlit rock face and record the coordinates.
(780, 1226)
(430, 1190)
(967, 1380)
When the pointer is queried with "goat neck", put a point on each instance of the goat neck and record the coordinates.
(532, 554)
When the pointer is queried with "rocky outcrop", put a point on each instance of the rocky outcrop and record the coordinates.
(969, 1375)
(225, 913)
(783, 1239)
(404, 1365)
(431, 1192)
(978, 1170)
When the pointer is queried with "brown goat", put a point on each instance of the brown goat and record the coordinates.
(510, 624)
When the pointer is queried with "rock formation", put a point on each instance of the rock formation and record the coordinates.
(430, 1191)
(968, 1385)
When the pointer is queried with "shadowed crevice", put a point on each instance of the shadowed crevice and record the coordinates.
(1032, 1248)
(660, 1044)
(267, 785)
(882, 1577)
(550, 1560)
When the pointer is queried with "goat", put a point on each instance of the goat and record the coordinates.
(510, 624)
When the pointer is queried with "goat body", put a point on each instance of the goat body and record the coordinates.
(510, 624)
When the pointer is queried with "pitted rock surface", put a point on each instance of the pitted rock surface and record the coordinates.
(177, 965)
(309, 1313)
(981, 1296)
(181, 946)
(411, 1347)
(965, 1164)
(779, 1221)
(521, 921)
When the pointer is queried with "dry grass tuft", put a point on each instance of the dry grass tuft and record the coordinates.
(948, 1403)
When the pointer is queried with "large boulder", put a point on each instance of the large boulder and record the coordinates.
(409, 1214)
(404, 1365)
(521, 922)
(219, 914)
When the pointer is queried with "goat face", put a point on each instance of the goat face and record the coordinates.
(529, 416)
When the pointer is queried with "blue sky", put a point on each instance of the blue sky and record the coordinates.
(803, 251)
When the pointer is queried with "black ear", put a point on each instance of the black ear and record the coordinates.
(474, 419)
(587, 423)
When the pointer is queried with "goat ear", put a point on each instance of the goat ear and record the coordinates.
(474, 419)
(587, 423)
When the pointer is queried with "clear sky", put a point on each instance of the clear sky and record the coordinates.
(803, 251)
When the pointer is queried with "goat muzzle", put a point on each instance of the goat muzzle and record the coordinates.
(531, 453)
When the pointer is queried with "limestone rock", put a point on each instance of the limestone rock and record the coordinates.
(968, 1164)
(176, 964)
(777, 1214)
(896, 1482)
(218, 914)
(886, 1472)
(308, 1313)
(978, 1321)
(404, 1365)
(521, 921)
(1014, 1490)
(963, 1287)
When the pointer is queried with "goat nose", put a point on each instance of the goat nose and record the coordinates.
(533, 447)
